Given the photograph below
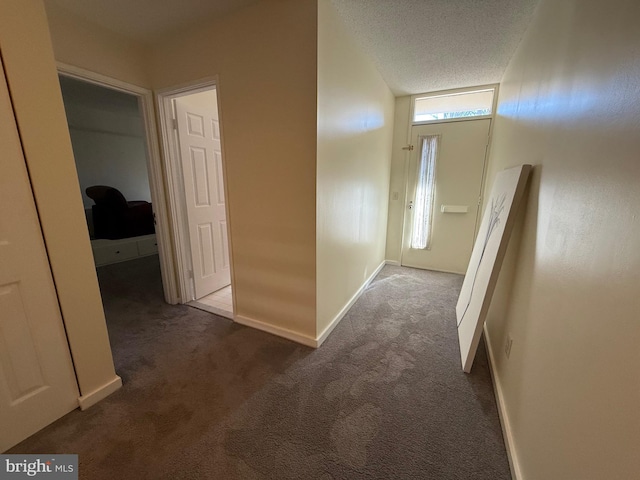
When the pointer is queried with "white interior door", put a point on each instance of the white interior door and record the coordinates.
(37, 380)
(201, 157)
(460, 150)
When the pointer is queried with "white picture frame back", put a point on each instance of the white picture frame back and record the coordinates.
(486, 259)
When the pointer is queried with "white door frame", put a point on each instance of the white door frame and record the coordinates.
(175, 185)
(154, 169)
(409, 135)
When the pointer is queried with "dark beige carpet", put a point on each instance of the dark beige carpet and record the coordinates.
(204, 398)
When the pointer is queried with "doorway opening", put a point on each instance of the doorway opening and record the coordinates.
(114, 138)
(107, 134)
(449, 137)
(112, 131)
(194, 160)
(444, 200)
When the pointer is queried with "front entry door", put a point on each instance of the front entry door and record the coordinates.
(37, 380)
(457, 151)
(201, 158)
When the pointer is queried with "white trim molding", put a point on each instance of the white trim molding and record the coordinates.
(507, 433)
(90, 399)
(395, 263)
(278, 331)
(325, 333)
(305, 339)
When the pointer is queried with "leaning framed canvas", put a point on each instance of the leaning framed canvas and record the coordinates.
(486, 259)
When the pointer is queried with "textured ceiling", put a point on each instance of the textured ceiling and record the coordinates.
(418, 45)
(428, 45)
(148, 20)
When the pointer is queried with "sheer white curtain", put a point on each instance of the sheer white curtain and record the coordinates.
(425, 193)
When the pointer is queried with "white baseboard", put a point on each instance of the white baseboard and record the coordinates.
(395, 263)
(86, 401)
(305, 339)
(514, 465)
(279, 331)
(325, 333)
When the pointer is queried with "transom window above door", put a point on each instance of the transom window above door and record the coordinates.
(457, 105)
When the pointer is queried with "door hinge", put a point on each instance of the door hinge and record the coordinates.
(479, 201)
(408, 147)
(174, 123)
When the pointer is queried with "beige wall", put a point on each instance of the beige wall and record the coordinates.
(94, 48)
(355, 118)
(265, 59)
(570, 105)
(398, 182)
(31, 74)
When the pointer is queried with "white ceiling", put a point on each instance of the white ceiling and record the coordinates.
(428, 45)
(418, 45)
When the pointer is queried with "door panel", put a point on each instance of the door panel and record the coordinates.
(200, 173)
(37, 380)
(207, 257)
(19, 358)
(201, 154)
(458, 183)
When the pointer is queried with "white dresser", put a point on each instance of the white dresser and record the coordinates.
(114, 251)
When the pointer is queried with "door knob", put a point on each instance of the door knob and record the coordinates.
(410, 204)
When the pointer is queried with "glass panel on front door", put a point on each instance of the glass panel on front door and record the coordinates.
(425, 193)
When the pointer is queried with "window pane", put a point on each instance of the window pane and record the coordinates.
(425, 193)
(455, 105)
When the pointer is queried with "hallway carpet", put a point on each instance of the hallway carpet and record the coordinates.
(204, 398)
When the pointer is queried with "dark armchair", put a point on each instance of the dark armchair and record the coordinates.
(114, 217)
